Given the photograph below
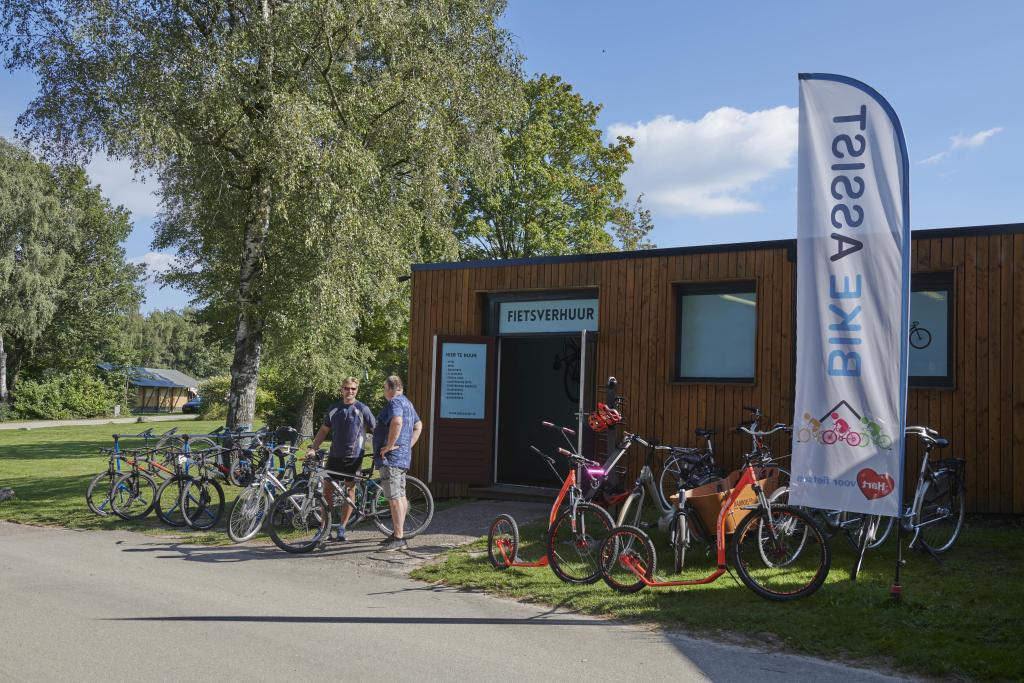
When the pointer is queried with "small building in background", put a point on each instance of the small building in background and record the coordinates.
(155, 390)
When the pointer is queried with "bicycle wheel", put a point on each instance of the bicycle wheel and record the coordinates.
(417, 516)
(97, 496)
(853, 438)
(940, 517)
(865, 537)
(829, 437)
(202, 503)
(782, 555)
(168, 501)
(574, 542)
(668, 480)
(679, 533)
(247, 514)
(852, 523)
(626, 555)
(503, 541)
(299, 522)
(631, 509)
(133, 496)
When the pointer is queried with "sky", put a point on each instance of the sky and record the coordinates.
(709, 92)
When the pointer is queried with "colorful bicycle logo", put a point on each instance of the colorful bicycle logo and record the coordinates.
(867, 432)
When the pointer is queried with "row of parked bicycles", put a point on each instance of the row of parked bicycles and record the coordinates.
(779, 551)
(180, 477)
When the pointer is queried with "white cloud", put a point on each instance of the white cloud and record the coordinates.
(118, 183)
(963, 142)
(934, 159)
(156, 263)
(976, 140)
(707, 167)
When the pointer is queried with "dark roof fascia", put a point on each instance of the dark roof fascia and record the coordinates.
(920, 233)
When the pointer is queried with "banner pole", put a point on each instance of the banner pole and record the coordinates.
(896, 589)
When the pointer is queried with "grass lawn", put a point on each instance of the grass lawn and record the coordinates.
(961, 619)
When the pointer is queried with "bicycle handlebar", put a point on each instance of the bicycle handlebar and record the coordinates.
(777, 427)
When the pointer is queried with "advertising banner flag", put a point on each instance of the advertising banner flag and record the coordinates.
(853, 299)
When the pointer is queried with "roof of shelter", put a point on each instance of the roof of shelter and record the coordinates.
(153, 377)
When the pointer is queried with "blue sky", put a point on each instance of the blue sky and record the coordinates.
(710, 92)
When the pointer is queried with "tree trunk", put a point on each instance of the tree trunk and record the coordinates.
(306, 404)
(3, 372)
(245, 366)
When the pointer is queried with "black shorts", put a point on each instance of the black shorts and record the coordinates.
(343, 465)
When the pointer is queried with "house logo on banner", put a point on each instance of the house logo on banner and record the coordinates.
(842, 426)
(853, 299)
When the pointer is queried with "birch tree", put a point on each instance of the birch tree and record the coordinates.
(272, 126)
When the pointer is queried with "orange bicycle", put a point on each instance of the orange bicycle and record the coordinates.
(576, 528)
(778, 551)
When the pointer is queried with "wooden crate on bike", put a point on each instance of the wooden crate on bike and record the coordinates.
(707, 500)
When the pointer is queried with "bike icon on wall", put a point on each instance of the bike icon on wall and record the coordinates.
(920, 338)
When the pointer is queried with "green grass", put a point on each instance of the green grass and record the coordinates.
(50, 469)
(960, 619)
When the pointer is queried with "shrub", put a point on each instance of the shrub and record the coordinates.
(74, 395)
(215, 398)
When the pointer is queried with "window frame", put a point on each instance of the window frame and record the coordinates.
(681, 289)
(938, 280)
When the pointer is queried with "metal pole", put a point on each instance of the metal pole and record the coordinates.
(896, 590)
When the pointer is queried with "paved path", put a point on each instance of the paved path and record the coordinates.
(115, 606)
(42, 424)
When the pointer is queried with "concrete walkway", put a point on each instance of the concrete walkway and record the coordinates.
(117, 606)
(42, 424)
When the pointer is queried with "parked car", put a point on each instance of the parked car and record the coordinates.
(193, 406)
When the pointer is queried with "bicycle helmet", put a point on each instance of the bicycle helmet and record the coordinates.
(603, 418)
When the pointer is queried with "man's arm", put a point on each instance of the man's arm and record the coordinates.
(394, 430)
(320, 436)
(416, 429)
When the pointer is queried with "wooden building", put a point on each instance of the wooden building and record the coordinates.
(156, 390)
(693, 334)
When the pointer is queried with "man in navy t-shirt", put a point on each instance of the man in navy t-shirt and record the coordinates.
(348, 423)
(398, 428)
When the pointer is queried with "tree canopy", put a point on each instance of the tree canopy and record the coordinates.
(306, 150)
(559, 189)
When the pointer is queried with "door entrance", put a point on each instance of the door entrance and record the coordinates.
(540, 379)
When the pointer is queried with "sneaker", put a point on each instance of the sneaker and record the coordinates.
(390, 537)
(339, 532)
(394, 544)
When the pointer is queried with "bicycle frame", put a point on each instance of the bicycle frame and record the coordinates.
(747, 478)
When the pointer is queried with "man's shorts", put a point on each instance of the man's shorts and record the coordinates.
(392, 480)
(343, 465)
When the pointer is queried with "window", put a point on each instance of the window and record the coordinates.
(931, 325)
(717, 332)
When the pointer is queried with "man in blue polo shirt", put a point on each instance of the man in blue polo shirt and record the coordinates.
(398, 428)
(348, 423)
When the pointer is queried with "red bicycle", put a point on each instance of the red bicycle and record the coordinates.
(778, 551)
(576, 528)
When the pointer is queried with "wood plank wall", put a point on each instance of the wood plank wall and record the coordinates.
(983, 414)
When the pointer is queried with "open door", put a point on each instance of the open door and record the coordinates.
(462, 420)
(588, 371)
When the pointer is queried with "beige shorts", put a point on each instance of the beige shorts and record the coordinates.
(392, 480)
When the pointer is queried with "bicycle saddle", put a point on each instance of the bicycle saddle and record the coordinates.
(704, 433)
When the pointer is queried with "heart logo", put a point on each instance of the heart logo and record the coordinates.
(873, 484)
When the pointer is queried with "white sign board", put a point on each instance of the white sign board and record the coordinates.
(853, 298)
(463, 381)
(563, 315)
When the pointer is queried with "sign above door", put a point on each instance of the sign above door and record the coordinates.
(547, 316)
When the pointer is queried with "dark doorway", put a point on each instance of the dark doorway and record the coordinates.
(539, 380)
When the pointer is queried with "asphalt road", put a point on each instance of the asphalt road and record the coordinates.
(118, 606)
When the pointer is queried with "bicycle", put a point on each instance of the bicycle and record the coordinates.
(202, 497)
(575, 529)
(300, 519)
(920, 337)
(936, 514)
(254, 503)
(168, 505)
(778, 551)
(106, 482)
(687, 465)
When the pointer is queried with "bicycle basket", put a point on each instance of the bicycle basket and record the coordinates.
(707, 500)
